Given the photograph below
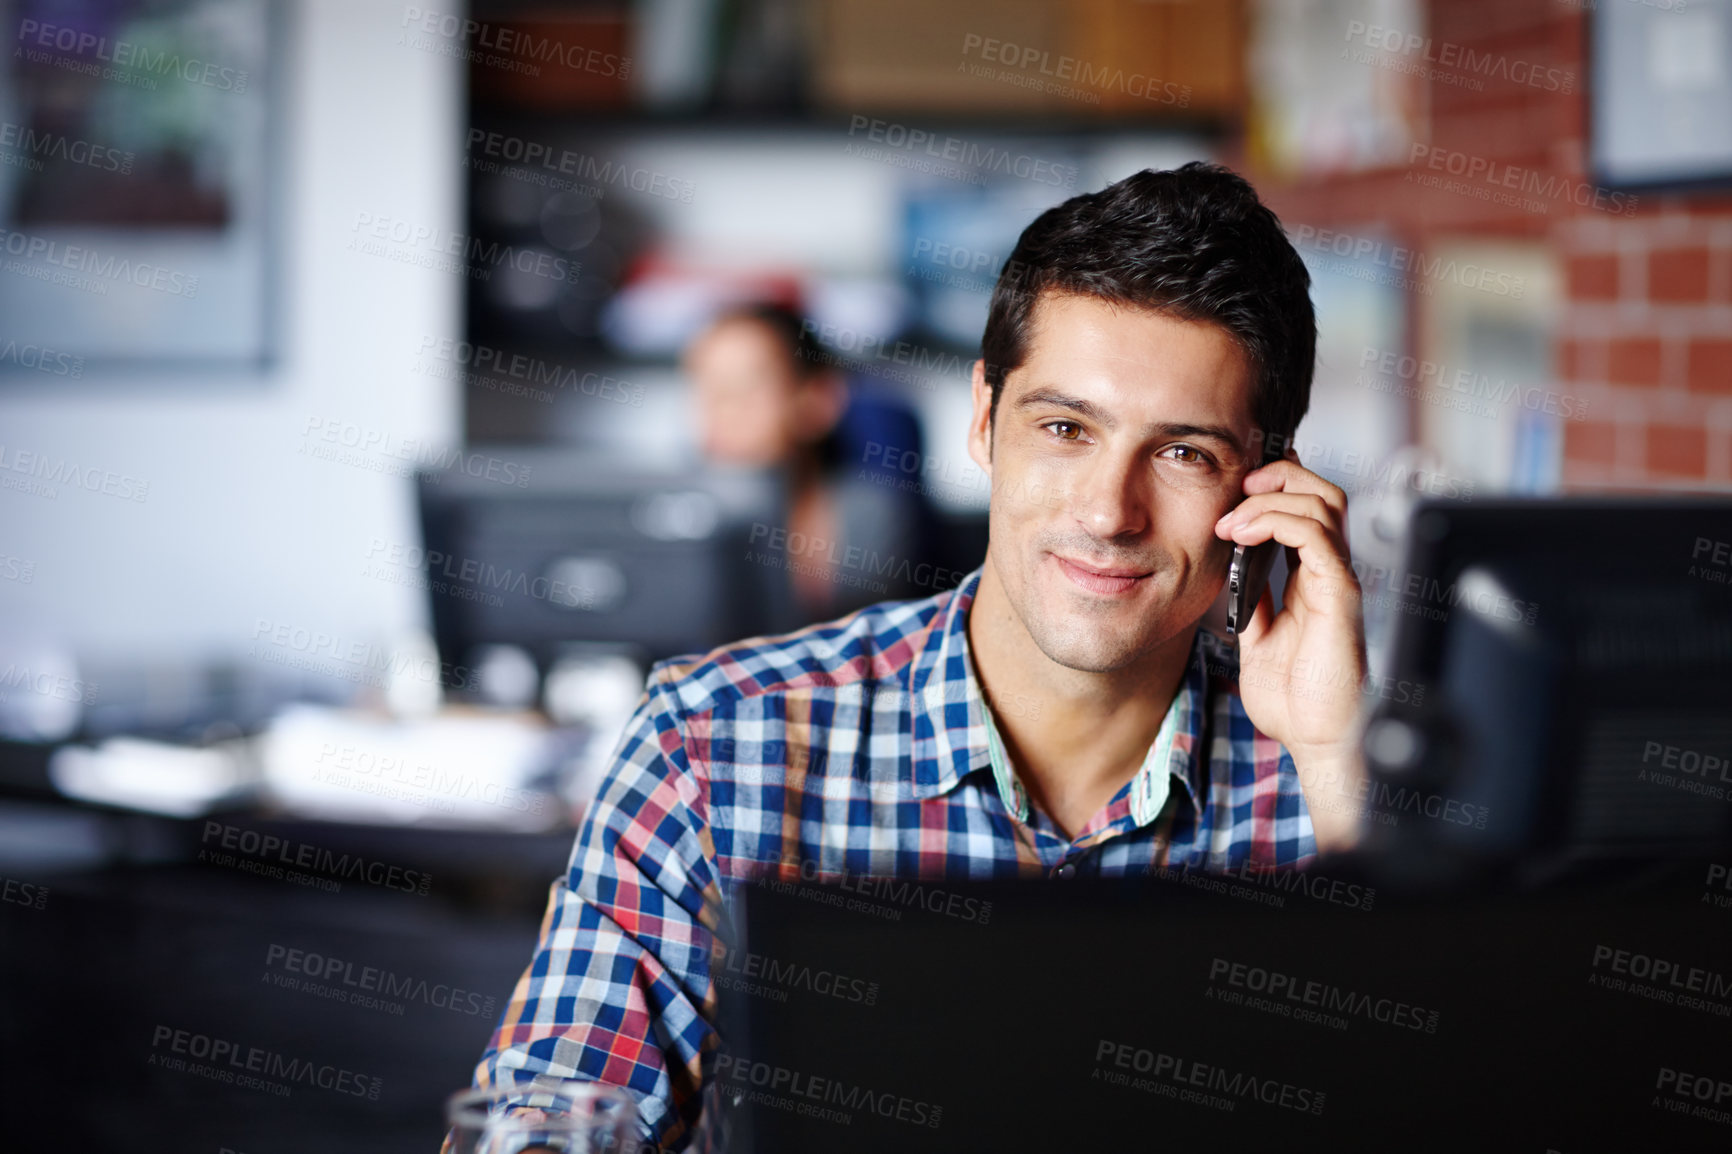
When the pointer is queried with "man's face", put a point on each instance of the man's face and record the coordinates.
(1120, 441)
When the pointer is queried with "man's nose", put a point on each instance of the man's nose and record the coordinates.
(1110, 498)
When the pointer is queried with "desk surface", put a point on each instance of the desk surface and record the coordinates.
(135, 934)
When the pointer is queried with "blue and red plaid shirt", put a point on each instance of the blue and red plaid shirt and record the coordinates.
(856, 748)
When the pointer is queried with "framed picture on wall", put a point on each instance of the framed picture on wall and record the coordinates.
(1661, 89)
(136, 183)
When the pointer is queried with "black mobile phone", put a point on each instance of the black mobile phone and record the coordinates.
(1248, 574)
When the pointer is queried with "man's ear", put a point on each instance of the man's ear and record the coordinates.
(980, 422)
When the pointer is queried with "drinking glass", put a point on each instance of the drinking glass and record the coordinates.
(563, 1117)
(714, 1130)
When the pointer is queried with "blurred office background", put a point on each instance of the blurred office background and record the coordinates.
(349, 460)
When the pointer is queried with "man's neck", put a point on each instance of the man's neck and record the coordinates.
(1091, 731)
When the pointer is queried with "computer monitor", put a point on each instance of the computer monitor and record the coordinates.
(1566, 667)
(1248, 1010)
(571, 548)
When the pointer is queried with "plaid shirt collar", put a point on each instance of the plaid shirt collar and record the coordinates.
(950, 732)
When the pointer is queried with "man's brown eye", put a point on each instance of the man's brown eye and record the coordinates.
(1058, 428)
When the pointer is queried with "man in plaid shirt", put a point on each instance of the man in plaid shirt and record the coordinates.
(1061, 712)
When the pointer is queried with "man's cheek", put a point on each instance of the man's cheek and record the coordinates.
(1032, 491)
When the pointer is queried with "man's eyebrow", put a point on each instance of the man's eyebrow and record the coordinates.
(1100, 416)
(1210, 432)
(1060, 400)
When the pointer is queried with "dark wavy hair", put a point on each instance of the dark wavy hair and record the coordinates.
(1194, 242)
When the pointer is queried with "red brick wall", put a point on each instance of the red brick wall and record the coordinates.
(1645, 329)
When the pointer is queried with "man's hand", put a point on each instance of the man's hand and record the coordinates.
(1300, 671)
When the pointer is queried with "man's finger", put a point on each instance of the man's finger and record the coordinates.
(1312, 505)
(1292, 477)
(1321, 550)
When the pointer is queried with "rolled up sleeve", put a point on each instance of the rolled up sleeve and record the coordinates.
(619, 989)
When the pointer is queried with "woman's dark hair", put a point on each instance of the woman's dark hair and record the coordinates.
(790, 329)
(1194, 242)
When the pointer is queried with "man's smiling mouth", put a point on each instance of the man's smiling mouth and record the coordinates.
(1102, 579)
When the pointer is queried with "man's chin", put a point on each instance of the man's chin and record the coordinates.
(1083, 645)
(1089, 637)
